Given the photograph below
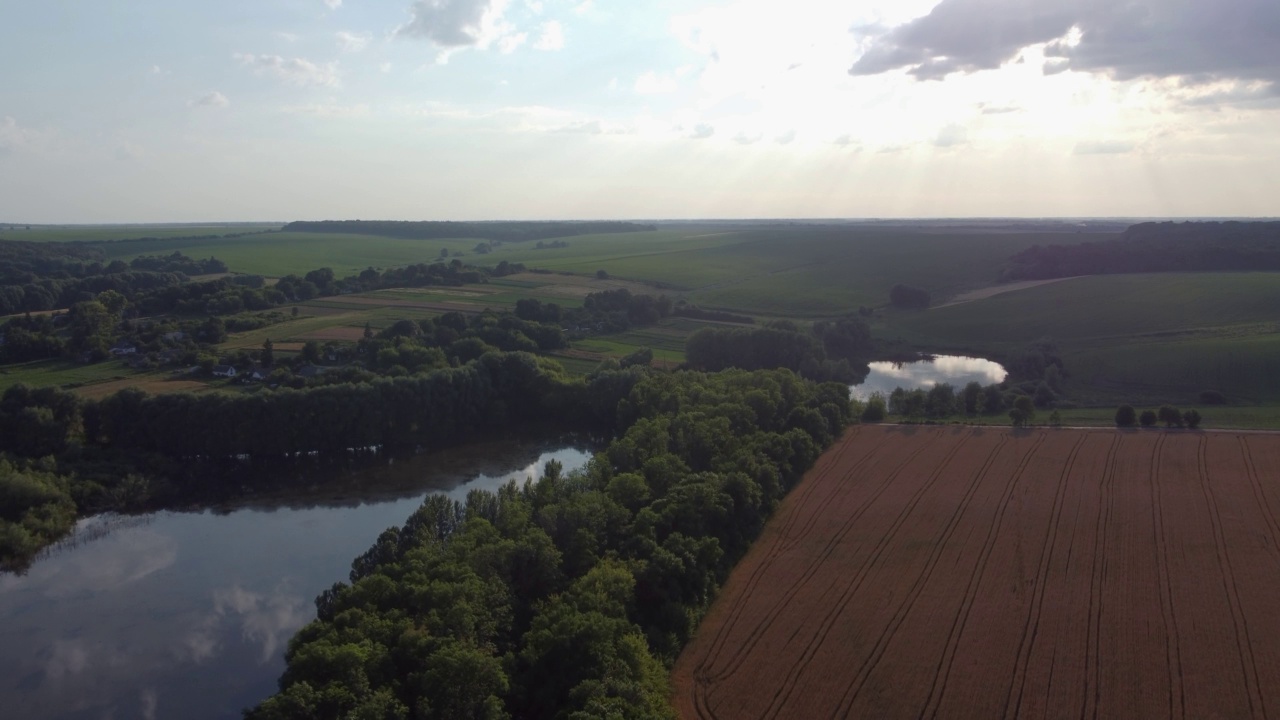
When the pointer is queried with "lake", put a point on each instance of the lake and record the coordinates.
(927, 372)
(187, 615)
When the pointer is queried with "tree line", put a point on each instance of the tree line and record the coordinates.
(1157, 247)
(569, 597)
(830, 350)
(437, 230)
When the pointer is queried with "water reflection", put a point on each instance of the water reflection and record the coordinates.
(188, 614)
(925, 373)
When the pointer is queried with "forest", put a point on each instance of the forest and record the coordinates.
(572, 597)
(1157, 247)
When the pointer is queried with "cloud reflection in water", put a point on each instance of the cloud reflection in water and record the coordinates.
(954, 369)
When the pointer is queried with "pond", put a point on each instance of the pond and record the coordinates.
(188, 614)
(927, 372)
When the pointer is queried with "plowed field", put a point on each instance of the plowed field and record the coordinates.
(987, 573)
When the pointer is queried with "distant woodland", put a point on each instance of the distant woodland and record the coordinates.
(1157, 247)
(500, 231)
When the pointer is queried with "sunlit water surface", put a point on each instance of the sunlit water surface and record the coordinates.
(954, 369)
(186, 615)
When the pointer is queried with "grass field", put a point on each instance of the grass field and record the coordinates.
(276, 254)
(780, 270)
(1133, 338)
(102, 233)
(985, 573)
(1104, 306)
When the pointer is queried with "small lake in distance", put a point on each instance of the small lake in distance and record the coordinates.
(187, 614)
(927, 372)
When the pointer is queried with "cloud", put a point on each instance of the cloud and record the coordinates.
(987, 109)
(332, 110)
(508, 44)
(702, 131)
(286, 36)
(552, 37)
(1103, 147)
(744, 139)
(296, 71)
(587, 127)
(352, 42)
(651, 83)
(786, 138)
(14, 137)
(1199, 40)
(456, 23)
(211, 99)
(951, 136)
(332, 4)
(148, 699)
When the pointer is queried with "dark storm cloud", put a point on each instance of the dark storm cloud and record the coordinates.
(1198, 40)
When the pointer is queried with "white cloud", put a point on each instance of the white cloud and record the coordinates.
(457, 23)
(786, 138)
(951, 135)
(349, 42)
(384, 67)
(651, 83)
(1104, 147)
(286, 36)
(296, 71)
(702, 131)
(552, 37)
(211, 99)
(333, 110)
(333, 4)
(508, 44)
(744, 139)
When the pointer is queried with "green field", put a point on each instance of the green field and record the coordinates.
(783, 270)
(1105, 306)
(1138, 338)
(276, 254)
(1242, 368)
(1143, 338)
(105, 233)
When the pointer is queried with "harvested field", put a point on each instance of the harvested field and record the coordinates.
(985, 573)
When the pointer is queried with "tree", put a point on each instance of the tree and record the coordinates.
(1147, 418)
(602, 275)
(1170, 416)
(905, 296)
(875, 409)
(971, 397)
(311, 352)
(268, 356)
(1024, 410)
(294, 311)
(1055, 419)
(1191, 418)
(1126, 416)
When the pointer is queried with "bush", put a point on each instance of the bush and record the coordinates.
(1170, 416)
(1148, 418)
(1212, 397)
(1126, 416)
(1191, 418)
(875, 409)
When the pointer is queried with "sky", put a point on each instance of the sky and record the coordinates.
(240, 110)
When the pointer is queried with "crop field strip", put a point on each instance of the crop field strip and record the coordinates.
(981, 572)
